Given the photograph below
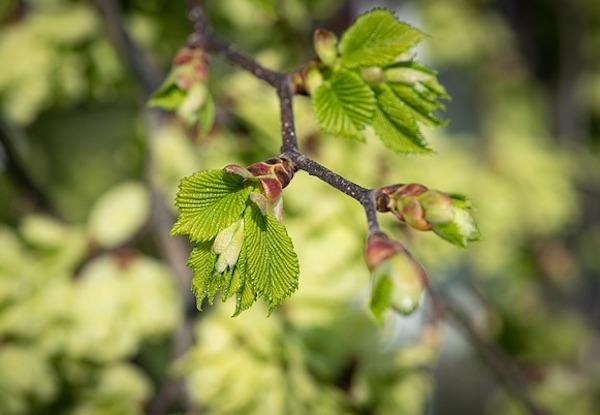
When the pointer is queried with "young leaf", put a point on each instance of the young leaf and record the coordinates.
(376, 39)
(206, 116)
(272, 264)
(202, 262)
(344, 105)
(169, 96)
(240, 284)
(208, 201)
(395, 125)
(422, 108)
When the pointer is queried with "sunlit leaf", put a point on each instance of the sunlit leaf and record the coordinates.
(376, 39)
(208, 201)
(272, 264)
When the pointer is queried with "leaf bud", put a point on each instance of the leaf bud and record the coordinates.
(274, 174)
(373, 75)
(398, 280)
(407, 75)
(313, 78)
(325, 43)
(228, 244)
(194, 100)
(448, 215)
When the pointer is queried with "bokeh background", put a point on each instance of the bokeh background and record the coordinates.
(96, 315)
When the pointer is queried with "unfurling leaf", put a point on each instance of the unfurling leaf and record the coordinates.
(185, 91)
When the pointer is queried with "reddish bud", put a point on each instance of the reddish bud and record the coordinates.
(274, 174)
(379, 248)
(398, 280)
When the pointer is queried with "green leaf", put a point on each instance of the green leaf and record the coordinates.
(380, 297)
(272, 264)
(202, 262)
(376, 39)
(463, 228)
(422, 108)
(245, 295)
(395, 125)
(169, 96)
(206, 116)
(208, 201)
(344, 105)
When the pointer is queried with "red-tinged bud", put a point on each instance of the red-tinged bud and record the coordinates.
(448, 215)
(195, 59)
(387, 197)
(325, 43)
(184, 55)
(379, 248)
(274, 174)
(413, 214)
(272, 188)
(398, 279)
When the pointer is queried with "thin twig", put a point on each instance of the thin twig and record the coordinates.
(139, 64)
(361, 194)
(505, 369)
(20, 174)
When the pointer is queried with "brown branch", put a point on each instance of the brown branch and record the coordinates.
(505, 369)
(144, 72)
(204, 37)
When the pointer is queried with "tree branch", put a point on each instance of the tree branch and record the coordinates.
(144, 72)
(203, 37)
(361, 194)
(505, 369)
(20, 174)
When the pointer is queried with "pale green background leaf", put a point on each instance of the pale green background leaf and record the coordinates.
(119, 214)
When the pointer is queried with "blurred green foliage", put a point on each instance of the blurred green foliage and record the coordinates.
(90, 306)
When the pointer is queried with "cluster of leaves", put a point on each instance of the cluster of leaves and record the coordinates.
(241, 248)
(370, 82)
